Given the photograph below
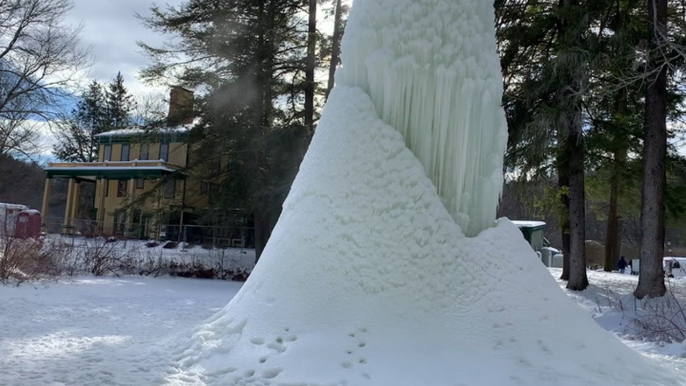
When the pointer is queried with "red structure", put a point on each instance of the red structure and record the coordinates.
(28, 224)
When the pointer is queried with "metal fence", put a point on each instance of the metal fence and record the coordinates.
(210, 235)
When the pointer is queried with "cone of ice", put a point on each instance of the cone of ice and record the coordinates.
(431, 70)
(368, 278)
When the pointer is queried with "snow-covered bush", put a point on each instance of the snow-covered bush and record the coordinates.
(56, 256)
(661, 320)
(24, 260)
(100, 257)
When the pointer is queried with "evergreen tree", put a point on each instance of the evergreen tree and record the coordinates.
(310, 65)
(651, 275)
(611, 49)
(545, 61)
(118, 103)
(615, 118)
(572, 64)
(75, 135)
(250, 56)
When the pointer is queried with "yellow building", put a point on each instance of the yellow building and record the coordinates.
(141, 186)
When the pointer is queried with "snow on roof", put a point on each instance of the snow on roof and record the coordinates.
(137, 161)
(30, 211)
(180, 129)
(528, 223)
(111, 168)
(134, 131)
(13, 206)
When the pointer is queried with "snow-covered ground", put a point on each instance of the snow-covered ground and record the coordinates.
(119, 331)
(610, 302)
(100, 331)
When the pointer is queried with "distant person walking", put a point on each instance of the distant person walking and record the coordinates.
(621, 264)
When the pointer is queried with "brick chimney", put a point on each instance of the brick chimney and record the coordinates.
(180, 106)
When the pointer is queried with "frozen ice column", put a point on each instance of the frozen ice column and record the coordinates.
(432, 71)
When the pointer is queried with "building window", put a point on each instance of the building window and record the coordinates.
(204, 187)
(145, 152)
(170, 189)
(119, 221)
(164, 152)
(125, 151)
(140, 183)
(121, 188)
(107, 188)
(108, 153)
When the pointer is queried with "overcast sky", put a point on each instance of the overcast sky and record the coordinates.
(111, 30)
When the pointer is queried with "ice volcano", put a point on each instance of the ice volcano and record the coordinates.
(368, 278)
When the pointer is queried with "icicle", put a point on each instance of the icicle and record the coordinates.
(437, 81)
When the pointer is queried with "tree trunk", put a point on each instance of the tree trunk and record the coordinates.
(309, 71)
(571, 157)
(612, 234)
(335, 46)
(618, 240)
(651, 280)
(612, 239)
(578, 280)
(263, 229)
(263, 121)
(563, 184)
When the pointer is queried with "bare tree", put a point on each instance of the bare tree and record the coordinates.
(150, 110)
(39, 58)
(17, 135)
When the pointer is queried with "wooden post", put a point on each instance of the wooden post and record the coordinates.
(129, 211)
(101, 207)
(75, 205)
(67, 211)
(46, 205)
(183, 207)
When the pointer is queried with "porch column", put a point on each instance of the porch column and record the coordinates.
(75, 204)
(67, 211)
(129, 210)
(182, 233)
(156, 219)
(46, 205)
(101, 206)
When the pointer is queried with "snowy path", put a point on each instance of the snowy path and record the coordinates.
(96, 331)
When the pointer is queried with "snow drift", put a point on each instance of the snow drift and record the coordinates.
(368, 278)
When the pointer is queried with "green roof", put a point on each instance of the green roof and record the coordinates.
(111, 172)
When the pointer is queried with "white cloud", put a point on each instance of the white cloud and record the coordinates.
(111, 30)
